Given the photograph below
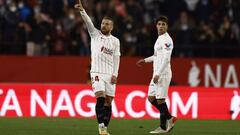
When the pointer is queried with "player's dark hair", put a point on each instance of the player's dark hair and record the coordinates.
(162, 18)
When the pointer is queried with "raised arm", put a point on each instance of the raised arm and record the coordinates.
(91, 29)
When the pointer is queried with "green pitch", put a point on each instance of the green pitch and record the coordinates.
(72, 126)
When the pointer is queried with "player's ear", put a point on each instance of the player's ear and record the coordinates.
(111, 25)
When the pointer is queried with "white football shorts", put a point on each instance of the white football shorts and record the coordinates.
(102, 82)
(159, 90)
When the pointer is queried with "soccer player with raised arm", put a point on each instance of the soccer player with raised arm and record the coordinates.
(162, 74)
(105, 58)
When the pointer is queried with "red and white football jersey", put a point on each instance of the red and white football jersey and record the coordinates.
(103, 48)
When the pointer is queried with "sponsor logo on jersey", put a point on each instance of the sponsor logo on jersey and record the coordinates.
(107, 51)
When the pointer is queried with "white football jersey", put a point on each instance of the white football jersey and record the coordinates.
(103, 48)
(161, 66)
(162, 55)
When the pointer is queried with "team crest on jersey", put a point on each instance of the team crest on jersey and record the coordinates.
(167, 46)
(107, 51)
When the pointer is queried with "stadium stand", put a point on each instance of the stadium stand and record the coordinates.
(200, 28)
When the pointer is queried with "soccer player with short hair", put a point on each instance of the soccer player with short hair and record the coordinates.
(162, 74)
(105, 58)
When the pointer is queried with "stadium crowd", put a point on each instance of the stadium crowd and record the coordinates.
(54, 27)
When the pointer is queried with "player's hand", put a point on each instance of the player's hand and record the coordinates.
(79, 5)
(155, 79)
(113, 80)
(140, 62)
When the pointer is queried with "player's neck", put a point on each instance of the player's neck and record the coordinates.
(159, 34)
(107, 34)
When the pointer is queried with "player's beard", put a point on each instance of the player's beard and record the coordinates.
(104, 31)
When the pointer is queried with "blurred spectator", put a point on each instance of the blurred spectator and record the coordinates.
(11, 20)
(205, 34)
(59, 40)
(183, 28)
(184, 32)
(80, 38)
(24, 11)
(226, 33)
(40, 34)
(69, 21)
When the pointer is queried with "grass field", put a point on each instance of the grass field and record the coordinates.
(73, 126)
